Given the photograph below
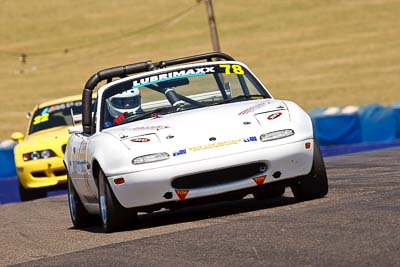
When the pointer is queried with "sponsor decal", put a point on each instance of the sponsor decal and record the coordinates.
(45, 110)
(181, 193)
(273, 116)
(79, 162)
(251, 109)
(148, 128)
(250, 139)
(172, 76)
(217, 144)
(140, 140)
(180, 152)
(259, 180)
(62, 106)
(41, 118)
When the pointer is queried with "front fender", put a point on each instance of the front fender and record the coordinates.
(301, 120)
(110, 153)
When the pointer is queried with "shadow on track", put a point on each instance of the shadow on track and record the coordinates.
(200, 212)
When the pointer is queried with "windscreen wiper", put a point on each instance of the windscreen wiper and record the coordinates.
(144, 115)
(229, 100)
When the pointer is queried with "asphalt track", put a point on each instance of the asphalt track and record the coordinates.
(357, 224)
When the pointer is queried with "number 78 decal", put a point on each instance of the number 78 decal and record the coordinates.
(237, 69)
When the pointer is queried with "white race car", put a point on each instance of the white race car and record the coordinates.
(182, 132)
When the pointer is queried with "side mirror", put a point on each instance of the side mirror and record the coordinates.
(17, 136)
(75, 129)
(75, 118)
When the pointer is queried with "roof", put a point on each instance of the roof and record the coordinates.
(60, 100)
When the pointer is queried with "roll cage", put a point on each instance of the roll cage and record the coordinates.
(123, 71)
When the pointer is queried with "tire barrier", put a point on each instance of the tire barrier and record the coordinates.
(7, 165)
(354, 125)
(8, 175)
(9, 191)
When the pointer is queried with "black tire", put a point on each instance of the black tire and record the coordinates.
(315, 184)
(80, 217)
(30, 194)
(270, 192)
(113, 215)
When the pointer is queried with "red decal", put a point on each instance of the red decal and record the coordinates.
(182, 194)
(154, 116)
(140, 140)
(308, 145)
(260, 179)
(274, 115)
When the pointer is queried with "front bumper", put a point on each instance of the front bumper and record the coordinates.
(42, 173)
(149, 187)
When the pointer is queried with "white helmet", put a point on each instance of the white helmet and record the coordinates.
(127, 101)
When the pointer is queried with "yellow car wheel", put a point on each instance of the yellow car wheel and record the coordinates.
(31, 194)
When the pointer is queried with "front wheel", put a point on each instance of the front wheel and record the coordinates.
(113, 215)
(315, 184)
(80, 217)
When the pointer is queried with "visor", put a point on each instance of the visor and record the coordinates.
(125, 102)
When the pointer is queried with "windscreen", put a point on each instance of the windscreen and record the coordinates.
(180, 89)
(54, 116)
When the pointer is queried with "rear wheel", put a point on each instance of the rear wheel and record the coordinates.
(30, 194)
(113, 215)
(79, 215)
(315, 184)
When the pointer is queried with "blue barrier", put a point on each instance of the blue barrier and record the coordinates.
(336, 129)
(378, 123)
(396, 112)
(7, 165)
(9, 191)
(329, 151)
(353, 125)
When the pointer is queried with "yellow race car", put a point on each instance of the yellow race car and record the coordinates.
(39, 154)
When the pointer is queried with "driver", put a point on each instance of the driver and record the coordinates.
(120, 105)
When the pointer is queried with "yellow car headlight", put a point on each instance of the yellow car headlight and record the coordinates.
(42, 154)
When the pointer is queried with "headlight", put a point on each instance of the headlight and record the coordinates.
(276, 135)
(150, 158)
(42, 154)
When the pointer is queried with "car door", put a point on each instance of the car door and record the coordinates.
(86, 170)
(78, 164)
